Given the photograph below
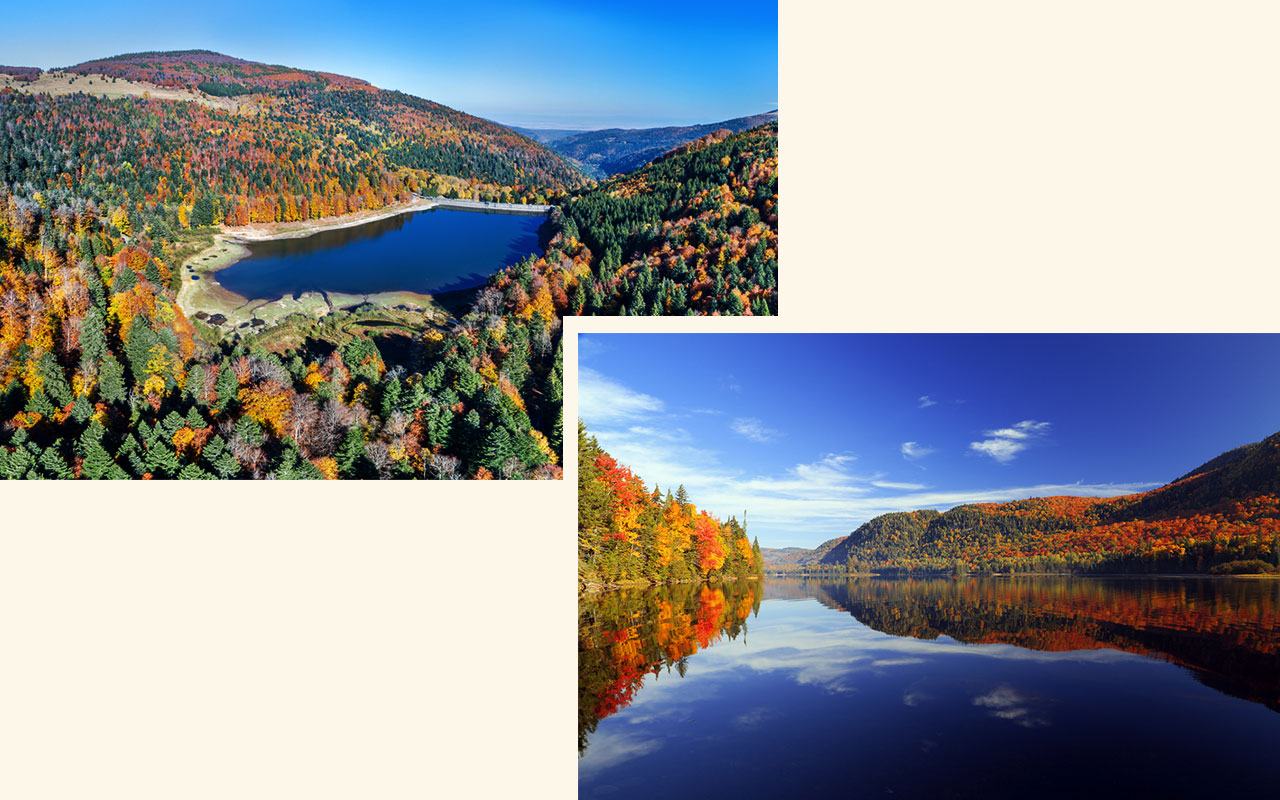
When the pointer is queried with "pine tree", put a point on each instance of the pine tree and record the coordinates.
(226, 387)
(54, 464)
(111, 380)
(497, 449)
(97, 461)
(93, 338)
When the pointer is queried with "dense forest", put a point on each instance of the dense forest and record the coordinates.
(1225, 633)
(629, 533)
(624, 637)
(102, 374)
(695, 232)
(1223, 517)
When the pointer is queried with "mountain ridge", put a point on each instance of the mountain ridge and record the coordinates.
(611, 151)
(1226, 510)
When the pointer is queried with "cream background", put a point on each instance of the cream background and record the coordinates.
(947, 166)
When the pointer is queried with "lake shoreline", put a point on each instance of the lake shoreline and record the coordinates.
(593, 588)
(200, 292)
(1184, 575)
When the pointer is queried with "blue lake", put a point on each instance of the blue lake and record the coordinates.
(428, 252)
(1028, 687)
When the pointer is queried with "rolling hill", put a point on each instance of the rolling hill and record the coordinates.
(1225, 512)
(615, 150)
(392, 128)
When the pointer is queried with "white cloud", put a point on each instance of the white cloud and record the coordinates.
(603, 400)
(906, 487)
(1002, 450)
(925, 402)
(1023, 430)
(912, 450)
(753, 429)
(1005, 443)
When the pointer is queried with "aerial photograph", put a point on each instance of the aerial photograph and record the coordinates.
(284, 241)
(945, 565)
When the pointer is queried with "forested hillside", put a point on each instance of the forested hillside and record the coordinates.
(1221, 517)
(613, 151)
(626, 532)
(696, 232)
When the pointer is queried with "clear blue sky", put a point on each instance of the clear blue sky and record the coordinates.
(815, 434)
(541, 64)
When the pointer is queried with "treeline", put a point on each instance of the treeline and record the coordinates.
(626, 636)
(1223, 518)
(628, 533)
(1224, 630)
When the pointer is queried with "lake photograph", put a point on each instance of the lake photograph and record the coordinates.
(951, 565)
(285, 244)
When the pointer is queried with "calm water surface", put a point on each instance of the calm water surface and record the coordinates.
(1044, 687)
(428, 252)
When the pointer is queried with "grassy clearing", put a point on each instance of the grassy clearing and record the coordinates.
(59, 83)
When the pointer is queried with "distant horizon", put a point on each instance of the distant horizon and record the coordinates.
(550, 66)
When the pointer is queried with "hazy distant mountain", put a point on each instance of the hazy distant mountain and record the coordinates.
(616, 150)
(544, 135)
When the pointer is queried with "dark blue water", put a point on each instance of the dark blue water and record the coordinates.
(980, 688)
(428, 252)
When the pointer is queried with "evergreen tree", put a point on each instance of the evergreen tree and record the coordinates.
(111, 380)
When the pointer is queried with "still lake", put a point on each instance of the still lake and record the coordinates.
(428, 252)
(977, 687)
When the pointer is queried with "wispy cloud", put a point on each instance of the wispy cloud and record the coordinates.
(799, 504)
(753, 429)
(906, 487)
(590, 347)
(1004, 444)
(925, 402)
(602, 400)
(914, 450)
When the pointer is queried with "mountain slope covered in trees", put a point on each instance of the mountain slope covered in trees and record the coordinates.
(695, 232)
(1223, 516)
(612, 151)
(627, 533)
